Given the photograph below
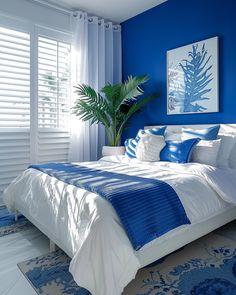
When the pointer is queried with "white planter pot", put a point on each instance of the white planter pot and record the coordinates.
(113, 150)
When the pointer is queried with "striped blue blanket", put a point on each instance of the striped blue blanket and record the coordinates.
(147, 208)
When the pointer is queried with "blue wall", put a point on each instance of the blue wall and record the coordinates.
(148, 36)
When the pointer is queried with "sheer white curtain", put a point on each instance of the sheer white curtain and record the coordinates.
(97, 61)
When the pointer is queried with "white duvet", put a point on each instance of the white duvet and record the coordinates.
(87, 227)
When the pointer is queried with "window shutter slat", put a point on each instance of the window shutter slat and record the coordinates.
(53, 146)
(54, 83)
(14, 104)
(53, 95)
(12, 91)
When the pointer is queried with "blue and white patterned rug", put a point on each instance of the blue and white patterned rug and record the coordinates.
(204, 267)
(8, 225)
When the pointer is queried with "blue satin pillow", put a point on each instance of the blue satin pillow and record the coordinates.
(205, 134)
(178, 151)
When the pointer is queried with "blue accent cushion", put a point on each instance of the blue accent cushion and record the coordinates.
(154, 131)
(130, 147)
(131, 143)
(178, 151)
(205, 134)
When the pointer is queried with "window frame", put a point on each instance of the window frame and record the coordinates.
(34, 31)
(24, 27)
(58, 37)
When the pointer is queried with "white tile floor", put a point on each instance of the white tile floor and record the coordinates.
(15, 248)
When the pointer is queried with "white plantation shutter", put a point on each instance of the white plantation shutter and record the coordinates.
(14, 104)
(14, 155)
(53, 146)
(14, 78)
(34, 98)
(53, 99)
(54, 83)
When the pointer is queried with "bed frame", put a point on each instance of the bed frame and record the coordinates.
(162, 246)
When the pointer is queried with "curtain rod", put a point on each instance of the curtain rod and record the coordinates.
(54, 6)
(60, 8)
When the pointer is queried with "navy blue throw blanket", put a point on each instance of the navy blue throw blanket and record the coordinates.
(147, 208)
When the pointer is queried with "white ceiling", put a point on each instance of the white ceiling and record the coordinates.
(115, 10)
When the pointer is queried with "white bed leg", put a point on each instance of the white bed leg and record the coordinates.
(52, 246)
(16, 215)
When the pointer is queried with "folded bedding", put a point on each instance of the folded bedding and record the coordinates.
(89, 228)
(147, 208)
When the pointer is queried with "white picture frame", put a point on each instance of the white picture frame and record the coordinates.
(193, 78)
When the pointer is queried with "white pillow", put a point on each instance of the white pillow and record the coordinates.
(206, 152)
(149, 147)
(227, 143)
(172, 136)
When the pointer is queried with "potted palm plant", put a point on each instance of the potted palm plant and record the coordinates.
(112, 107)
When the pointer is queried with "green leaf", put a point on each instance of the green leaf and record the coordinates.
(135, 108)
(105, 107)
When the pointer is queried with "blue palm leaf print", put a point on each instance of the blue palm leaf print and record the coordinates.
(197, 76)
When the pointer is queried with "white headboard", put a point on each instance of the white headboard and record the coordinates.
(224, 128)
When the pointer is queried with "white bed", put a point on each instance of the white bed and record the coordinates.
(87, 228)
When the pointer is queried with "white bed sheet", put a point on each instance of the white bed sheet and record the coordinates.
(103, 260)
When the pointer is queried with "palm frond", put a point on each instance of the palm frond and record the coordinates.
(107, 108)
(112, 92)
(90, 112)
(124, 93)
(139, 104)
(91, 105)
(112, 95)
(131, 88)
(136, 107)
(87, 93)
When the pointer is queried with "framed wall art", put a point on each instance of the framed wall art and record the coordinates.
(192, 78)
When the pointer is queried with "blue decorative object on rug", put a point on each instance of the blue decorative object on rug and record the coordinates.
(204, 267)
(8, 225)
